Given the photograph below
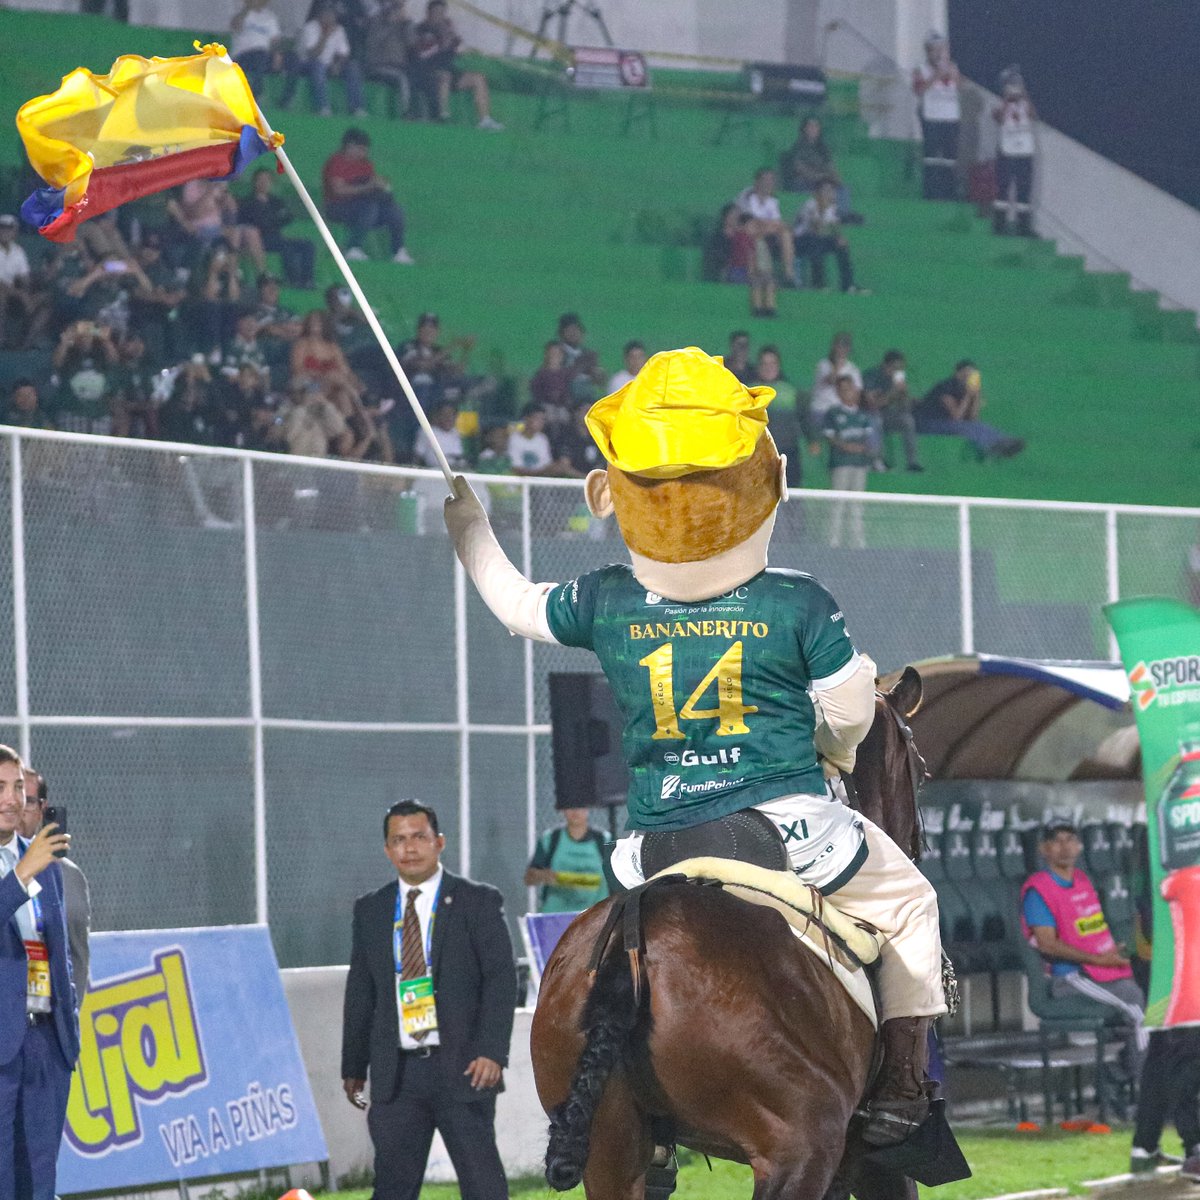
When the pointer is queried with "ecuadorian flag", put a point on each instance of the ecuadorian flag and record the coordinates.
(149, 124)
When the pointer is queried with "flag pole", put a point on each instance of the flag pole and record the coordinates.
(367, 311)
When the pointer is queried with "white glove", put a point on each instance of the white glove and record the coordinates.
(462, 510)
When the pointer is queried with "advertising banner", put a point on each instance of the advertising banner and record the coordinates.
(189, 1065)
(1160, 648)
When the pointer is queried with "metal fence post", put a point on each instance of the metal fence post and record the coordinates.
(20, 627)
(254, 662)
(530, 737)
(462, 718)
(1112, 563)
(965, 580)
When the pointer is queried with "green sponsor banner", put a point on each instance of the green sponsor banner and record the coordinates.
(1160, 648)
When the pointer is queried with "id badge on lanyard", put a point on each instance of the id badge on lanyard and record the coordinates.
(415, 998)
(37, 958)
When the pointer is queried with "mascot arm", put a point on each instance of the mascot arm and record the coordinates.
(845, 712)
(518, 604)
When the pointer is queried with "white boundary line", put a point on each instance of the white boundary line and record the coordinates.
(1033, 1194)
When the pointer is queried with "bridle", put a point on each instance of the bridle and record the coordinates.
(917, 772)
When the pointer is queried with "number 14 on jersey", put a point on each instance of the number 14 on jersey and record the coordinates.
(726, 673)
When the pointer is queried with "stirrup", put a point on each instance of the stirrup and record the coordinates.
(883, 1127)
(661, 1174)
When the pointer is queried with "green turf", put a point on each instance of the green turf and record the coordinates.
(510, 230)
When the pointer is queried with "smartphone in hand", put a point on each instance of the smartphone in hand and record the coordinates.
(56, 814)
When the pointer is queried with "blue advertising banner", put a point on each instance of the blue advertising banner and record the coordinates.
(189, 1064)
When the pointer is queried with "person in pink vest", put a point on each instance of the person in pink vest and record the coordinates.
(1063, 920)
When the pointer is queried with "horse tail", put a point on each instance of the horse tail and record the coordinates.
(609, 1019)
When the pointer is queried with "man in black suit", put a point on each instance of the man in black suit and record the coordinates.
(428, 1014)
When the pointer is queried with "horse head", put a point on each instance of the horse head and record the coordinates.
(890, 770)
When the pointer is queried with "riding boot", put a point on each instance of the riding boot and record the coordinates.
(901, 1099)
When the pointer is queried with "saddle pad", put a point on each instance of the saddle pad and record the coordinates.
(783, 892)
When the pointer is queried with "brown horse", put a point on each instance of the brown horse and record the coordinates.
(747, 1044)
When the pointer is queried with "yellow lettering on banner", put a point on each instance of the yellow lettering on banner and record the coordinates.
(138, 1041)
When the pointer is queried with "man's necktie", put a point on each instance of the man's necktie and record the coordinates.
(412, 953)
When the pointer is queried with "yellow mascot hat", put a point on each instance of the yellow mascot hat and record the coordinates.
(684, 412)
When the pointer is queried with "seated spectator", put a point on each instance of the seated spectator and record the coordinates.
(23, 306)
(425, 362)
(236, 398)
(245, 349)
(269, 214)
(274, 320)
(885, 393)
(810, 161)
(529, 447)
(216, 298)
(824, 389)
(132, 397)
(103, 240)
(187, 415)
(154, 308)
(550, 386)
(82, 361)
(568, 865)
(389, 51)
(205, 214)
(582, 364)
(360, 198)
(323, 51)
(101, 289)
(574, 445)
(493, 458)
(444, 419)
(731, 255)
(782, 416)
(311, 425)
(24, 408)
(951, 409)
(1063, 920)
(818, 234)
(633, 358)
(256, 45)
(760, 203)
(435, 71)
(317, 358)
(737, 358)
(847, 429)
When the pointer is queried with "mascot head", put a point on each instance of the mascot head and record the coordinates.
(693, 475)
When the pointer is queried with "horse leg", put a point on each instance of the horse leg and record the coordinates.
(620, 1148)
(800, 1179)
(882, 1183)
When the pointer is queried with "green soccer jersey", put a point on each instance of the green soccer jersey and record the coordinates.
(714, 694)
(848, 425)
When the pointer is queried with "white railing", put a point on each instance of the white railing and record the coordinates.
(166, 600)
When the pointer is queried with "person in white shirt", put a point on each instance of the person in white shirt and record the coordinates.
(760, 203)
(824, 389)
(818, 234)
(634, 358)
(935, 83)
(255, 44)
(324, 50)
(18, 299)
(1015, 115)
(444, 419)
(528, 445)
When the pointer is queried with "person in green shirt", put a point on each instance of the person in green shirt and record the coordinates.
(24, 408)
(738, 684)
(849, 432)
(568, 865)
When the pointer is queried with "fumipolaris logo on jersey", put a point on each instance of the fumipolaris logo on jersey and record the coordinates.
(673, 785)
(689, 758)
(1166, 681)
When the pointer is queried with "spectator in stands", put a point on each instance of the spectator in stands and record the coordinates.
(435, 71)
(317, 358)
(885, 394)
(311, 425)
(727, 249)
(782, 416)
(389, 53)
(550, 387)
(810, 162)
(103, 288)
(935, 83)
(216, 299)
(358, 196)
(205, 214)
(847, 429)
(1014, 160)
(951, 408)
(132, 395)
(245, 349)
(444, 419)
(817, 233)
(568, 864)
(82, 361)
(104, 241)
(24, 408)
(529, 447)
(269, 214)
(275, 322)
(1062, 917)
(737, 358)
(187, 415)
(22, 304)
(582, 364)
(323, 51)
(633, 359)
(760, 203)
(824, 389)
(155, 306)
(256, 45)
(493, 458)
(574, 445)
(426, 363)
(234, 401)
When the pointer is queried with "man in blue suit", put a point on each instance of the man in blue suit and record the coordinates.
(39, 1025)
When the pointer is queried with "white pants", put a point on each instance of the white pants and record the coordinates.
(848, 513)
(823, 837)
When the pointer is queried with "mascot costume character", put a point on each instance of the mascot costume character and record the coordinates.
(774, 687)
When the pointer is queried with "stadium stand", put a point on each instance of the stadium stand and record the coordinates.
(602, 217)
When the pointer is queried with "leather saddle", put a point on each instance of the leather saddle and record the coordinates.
(747, 836)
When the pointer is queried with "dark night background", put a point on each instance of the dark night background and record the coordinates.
(1122, 78)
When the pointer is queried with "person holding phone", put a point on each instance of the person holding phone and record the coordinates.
(77, 896)
(39, 1026)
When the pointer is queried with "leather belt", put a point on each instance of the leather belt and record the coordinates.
(39, 1018)
(420, 1052)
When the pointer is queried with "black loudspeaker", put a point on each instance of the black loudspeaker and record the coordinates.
(780, 81)
(585, 733)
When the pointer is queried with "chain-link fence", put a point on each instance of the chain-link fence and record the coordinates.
(227, 706)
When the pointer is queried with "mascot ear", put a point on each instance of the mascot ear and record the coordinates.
(783, 495)
(598, 494)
